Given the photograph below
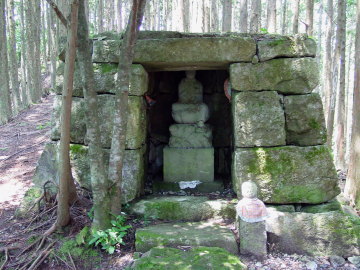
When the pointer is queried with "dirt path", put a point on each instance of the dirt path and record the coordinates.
(21, 143)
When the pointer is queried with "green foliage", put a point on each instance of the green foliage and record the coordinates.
(43, 126)
(108, 239)
(78, 252)
(264, 31)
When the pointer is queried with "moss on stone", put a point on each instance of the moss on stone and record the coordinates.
(315, 153)
(30, 197)
(107, 68)
(314, 124)
(78, 149)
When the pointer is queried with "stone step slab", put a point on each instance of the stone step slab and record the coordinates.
(258, 119)
(286, 75)
(136, 123)
(193, 234)
(190, 136)
(183, 208)
(305, 121)
(287, 174)
(198, 258)
(321, 234)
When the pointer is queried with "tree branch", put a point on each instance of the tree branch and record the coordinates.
(58, 13)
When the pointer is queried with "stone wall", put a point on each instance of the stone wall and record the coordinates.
(278, 131)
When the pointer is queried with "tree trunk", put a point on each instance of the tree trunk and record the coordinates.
(121, 111)
(340, 115)
(66, 185)
(119, 15)
(186, 15)
(352, 185)
(328, 80)
(296, 17)
(5, 99)
(243, 16)
(101, 16)
(284, 16)
(271, 16)
(255, 17)
(214, 16)
(13, 58)
(227, 12)
(310, 17)
(24, 74)
(98, 174)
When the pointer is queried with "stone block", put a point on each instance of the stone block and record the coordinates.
(190, 113)
(258, 119)
(287, 174)
(178, 208)
(133, 168)
(192, 234)
(323, 234)
(333, 205)
(190, 136)
(305, 121)
(188, 164)
(280, 46)
(197, 258)
(286, 75)
(177, 53)
(136, 125)
(105, 76)
(252, 238)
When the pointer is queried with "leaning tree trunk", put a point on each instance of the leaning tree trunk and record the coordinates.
(243, 16)
(66, 186)
(5, 100)
(296, 17)
(121, 111)
(255, 17)
(98, 175)
(352, 185)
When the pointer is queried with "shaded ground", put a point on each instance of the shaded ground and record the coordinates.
(22, 141)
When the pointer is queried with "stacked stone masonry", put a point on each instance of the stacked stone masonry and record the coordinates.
(278, 123)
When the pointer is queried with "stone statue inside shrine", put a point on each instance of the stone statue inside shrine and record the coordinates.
(250, 208)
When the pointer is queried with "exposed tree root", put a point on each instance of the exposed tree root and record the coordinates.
(6, 259)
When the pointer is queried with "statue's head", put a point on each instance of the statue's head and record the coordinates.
(190, 74)
(249, 189)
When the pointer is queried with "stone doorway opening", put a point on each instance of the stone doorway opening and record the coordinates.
(162, 93)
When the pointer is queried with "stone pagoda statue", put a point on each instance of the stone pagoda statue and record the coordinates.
(189, 155)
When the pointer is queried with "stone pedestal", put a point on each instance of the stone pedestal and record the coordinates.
(190, 164)
(252, 238)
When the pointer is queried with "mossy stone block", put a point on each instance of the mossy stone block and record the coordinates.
(333, 205)
(183, 208)
(258, 119)
(322, 234)
(192, 234)
(197, 258)
(177, 53)
(287, 174)
(181, 164)
(136, 123)
(281, 46)
(285, 75)
(305, 121)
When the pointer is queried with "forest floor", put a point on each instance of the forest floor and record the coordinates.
(22, 141)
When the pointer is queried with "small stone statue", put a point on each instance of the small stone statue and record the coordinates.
(250, 208)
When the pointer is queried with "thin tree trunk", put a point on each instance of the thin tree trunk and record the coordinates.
(121, 111)
(271, 16)
(352, 185)
(214, 17)
(340, 116)
(310, 17)
(227, 15)
(101, 16)
(13, 58)
(296, 17)
(24, 74)
(186, 15)
(284, 16)
(66, 186)
(255, 17)
(99, 183)
(243, 16)
(119, 15)
(5, 99)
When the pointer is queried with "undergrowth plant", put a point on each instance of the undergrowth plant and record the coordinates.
(108, 239)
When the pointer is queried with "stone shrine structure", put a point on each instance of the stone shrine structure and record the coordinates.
(190, 155)
(276, 131)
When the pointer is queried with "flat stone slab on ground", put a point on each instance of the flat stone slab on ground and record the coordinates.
(198, 258)
(193, 234)
(181, 164)
(187, 208)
